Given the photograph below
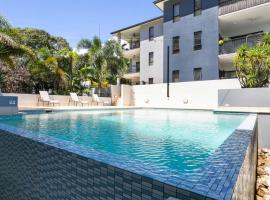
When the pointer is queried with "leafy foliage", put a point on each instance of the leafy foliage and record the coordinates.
(84, 44)
(33, 60)
(253, 64)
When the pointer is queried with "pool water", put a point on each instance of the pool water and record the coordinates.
(173, 140)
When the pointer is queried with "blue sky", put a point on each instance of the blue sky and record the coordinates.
(76, 19)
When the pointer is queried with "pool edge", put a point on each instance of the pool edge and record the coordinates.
(172, 184)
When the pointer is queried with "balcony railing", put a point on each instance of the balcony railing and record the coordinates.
(134, 69)
(232, 45)
(134, 45)
(228, 6)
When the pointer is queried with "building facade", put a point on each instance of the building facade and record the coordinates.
(193, 40)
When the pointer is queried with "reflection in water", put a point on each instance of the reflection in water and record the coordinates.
(169, 139)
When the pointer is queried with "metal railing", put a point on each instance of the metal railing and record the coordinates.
(228, 6)
(134, 69)
(134, 45)
(231, 46)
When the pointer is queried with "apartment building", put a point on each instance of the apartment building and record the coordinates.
(193, 40)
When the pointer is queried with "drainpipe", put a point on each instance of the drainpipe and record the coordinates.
(168, 72)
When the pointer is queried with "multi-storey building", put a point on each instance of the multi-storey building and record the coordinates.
(193, 40)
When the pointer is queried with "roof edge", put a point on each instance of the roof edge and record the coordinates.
(138, 24)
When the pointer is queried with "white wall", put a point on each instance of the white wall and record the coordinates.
(126, 95)
(251, 97)
(263, 128)
(197, 94)
(31, 100)
(156, 46)
(115, 93)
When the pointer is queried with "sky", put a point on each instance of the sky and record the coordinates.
(77, 19)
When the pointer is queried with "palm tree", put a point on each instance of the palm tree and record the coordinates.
(72, 58)
(98, 64)
(117, 63)
(8, 46)
(84, 44)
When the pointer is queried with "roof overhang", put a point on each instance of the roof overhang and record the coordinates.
(137, 26)
(160, 4)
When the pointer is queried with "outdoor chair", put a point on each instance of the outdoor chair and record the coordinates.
(75, 99)
(45, 98)
(98, 101)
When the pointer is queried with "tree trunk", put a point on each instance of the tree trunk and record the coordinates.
(70, 74)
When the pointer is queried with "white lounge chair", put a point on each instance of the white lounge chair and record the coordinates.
(98, 101)
(45, 98)
(75, 99)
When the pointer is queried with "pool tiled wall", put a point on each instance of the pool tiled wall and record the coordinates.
(42, 168)
(33, 170)
(246, 182)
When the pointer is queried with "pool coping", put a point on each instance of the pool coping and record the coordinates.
(216, 180)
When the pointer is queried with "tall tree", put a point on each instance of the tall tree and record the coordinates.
(84, 44)
(117, 63)
(98, 63)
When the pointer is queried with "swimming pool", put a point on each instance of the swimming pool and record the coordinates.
(171, 146)
(171, 140)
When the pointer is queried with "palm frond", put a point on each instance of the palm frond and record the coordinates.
(6, 40)
(4, 23)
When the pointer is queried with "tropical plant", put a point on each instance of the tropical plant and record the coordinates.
(4, 23)
(8, 46)
(84, 44)
(253, 64)
(116, 62)
(32, 59)
(98, 64)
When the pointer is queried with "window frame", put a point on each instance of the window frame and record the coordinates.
(176, 51)
(197, 11)
(176, 18)
(194, 71)
(151, 58)
(197, 46)
(173, 76)
(151, 37)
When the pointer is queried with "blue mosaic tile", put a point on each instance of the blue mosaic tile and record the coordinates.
(47, 168)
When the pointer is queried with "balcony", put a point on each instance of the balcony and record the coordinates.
(229, 6)
(134, 69)
(231, 46)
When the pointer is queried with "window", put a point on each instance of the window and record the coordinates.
(175, 76)
(151, 81)
(137, 66)
(197, 7)
(227, 74)
(176, 45)
(197, 73)
(151, 58)
(176, 12)
(197, 40)
(151, 33)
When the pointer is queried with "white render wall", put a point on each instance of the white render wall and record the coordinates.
(31, 100)
(190, 95)
(156, 46)
(250, 97)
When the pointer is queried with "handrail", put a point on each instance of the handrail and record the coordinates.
(232, 45)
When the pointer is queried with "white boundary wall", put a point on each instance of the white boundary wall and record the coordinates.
(31, 100)
(189, 95)
(250, 97)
